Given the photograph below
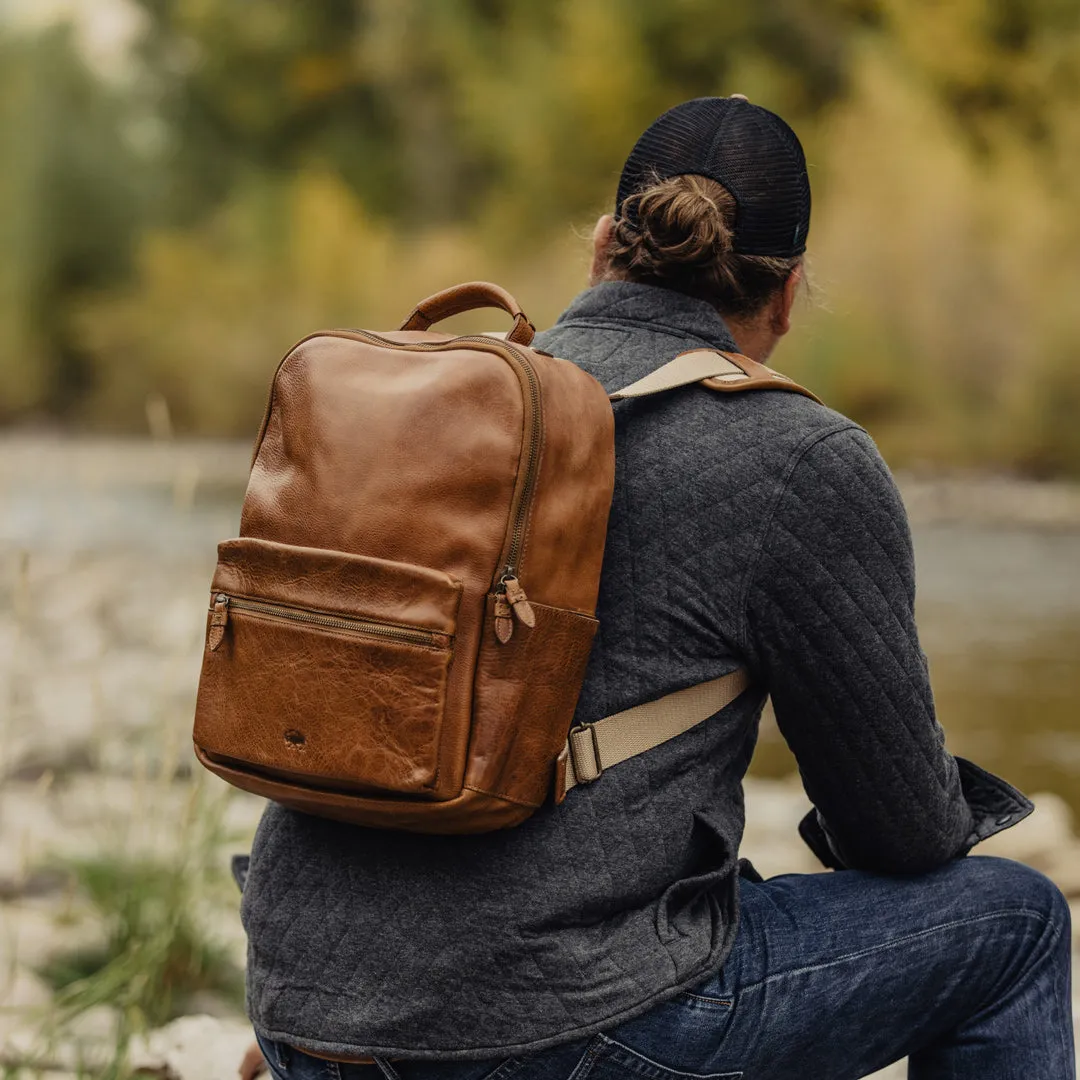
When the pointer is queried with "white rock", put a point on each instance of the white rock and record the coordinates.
(1045, 832)
(1045, 840)
(193, 1048)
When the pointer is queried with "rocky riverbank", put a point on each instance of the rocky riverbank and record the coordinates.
(45, 823)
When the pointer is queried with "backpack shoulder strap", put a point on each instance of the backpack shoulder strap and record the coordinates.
(592, 748)
(723, 371)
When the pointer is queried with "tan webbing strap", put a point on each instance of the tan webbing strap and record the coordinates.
(592, 748)
(717, 370)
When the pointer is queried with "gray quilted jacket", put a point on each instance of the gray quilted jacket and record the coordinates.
(755, 529)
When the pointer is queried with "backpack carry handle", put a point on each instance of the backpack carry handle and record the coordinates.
(473, 294)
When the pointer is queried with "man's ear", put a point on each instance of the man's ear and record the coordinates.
(601, 239)
(785, 301)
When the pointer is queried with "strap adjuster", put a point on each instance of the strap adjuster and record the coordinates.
(585, 753)
(590, 748)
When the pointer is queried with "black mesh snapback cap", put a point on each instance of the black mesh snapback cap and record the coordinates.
(749, 150)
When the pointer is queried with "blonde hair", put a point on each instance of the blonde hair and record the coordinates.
(679, 233)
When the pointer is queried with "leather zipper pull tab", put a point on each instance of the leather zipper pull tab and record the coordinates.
(519, 602)
(219, 619)
(504, 622)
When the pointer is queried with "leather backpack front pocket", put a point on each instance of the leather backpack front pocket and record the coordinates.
(326, 668)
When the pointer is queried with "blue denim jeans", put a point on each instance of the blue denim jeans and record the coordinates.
(833, 976)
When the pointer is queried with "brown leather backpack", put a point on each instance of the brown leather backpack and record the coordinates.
(399, 635)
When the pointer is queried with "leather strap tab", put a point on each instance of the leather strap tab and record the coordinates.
(592, 748)
(723, 371)
(467, 297)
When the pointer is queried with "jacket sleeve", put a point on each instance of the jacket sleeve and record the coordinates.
(830, 630)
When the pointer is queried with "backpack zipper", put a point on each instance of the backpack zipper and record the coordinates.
(411, 635)
(510, 597)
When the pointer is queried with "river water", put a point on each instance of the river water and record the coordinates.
(998, 604)
(999, 618)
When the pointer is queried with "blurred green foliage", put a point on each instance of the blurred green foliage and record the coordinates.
(261, 169)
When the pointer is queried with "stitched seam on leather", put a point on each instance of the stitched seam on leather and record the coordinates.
(797, 454)
(499, 795)
(352, 635)
(559, 610)
(272, 401)
(526, 535)
(345, 613)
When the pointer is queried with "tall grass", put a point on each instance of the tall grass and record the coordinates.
(156, 955)
(157, 949)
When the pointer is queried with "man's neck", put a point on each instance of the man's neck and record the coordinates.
(755, 339)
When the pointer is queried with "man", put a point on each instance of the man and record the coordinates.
(618, 934)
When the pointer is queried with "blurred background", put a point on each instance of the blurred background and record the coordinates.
(188, 186)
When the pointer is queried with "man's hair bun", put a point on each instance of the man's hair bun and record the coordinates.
(679, 233)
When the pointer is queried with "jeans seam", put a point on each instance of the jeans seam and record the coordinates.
(507, 1069)
(588, 1059)
(906, 939)
(710, 1002)
(667, 1068)
(1056, 931)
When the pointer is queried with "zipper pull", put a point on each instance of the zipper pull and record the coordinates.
(504, 623)
(510, 601)
(519, 602)
(219, 619)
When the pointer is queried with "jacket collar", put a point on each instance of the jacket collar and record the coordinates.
(649, 307)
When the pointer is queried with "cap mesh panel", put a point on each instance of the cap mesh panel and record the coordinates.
(749, 150)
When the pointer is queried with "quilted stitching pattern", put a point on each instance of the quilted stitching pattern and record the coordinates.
(831, 628)
(756, 528)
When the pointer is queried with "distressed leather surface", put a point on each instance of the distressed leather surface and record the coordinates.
(334, 581)
(408, 471)
(525, 690)
(329, 705)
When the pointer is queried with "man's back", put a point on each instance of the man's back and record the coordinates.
(626, 893)
(754, 530)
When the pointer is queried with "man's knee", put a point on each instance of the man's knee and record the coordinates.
(1020, 886)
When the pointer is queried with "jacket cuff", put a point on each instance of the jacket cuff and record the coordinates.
(995, 804)
(817, 838)
(239, 865)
